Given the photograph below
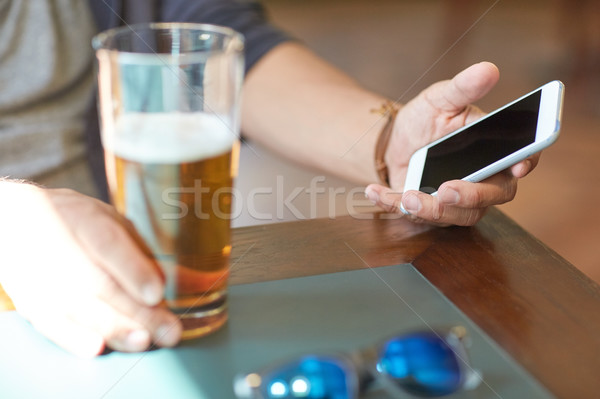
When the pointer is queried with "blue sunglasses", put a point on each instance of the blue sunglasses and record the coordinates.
(424, 363)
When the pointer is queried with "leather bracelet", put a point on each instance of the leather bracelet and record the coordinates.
(390, 110)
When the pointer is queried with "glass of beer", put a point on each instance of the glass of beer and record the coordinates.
(169, 101)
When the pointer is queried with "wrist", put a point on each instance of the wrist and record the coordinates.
(388, 110)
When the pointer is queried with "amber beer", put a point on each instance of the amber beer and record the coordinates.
(172, 174)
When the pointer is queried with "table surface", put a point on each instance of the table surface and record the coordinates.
(538, 307)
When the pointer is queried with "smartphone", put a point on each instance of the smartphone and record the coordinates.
(491, 144)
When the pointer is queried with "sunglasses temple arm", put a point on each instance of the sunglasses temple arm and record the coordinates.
(458, 342)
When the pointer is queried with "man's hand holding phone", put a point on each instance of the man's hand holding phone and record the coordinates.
(440, 109)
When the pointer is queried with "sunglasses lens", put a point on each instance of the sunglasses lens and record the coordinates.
(310, 377)
(422, 363)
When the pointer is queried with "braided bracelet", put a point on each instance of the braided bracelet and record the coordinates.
(390, 110)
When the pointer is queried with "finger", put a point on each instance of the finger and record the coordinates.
(525, 167)
(428, 208)
(158, 324)
(117, 330)
(125, 314)
(384, 197)
(497, 189)
(114, 249)
(465, 88)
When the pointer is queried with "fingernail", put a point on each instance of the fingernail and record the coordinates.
(168, 334)
(372, 196)
(151, 294)
(450, 196)
(137, 340)
(411, 203)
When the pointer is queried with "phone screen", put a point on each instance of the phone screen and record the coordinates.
(482, 144)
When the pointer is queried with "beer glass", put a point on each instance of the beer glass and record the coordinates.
(169, 99)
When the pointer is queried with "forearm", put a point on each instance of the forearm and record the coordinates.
(312, 113)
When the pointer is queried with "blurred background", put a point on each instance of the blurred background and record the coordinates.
(399, 47)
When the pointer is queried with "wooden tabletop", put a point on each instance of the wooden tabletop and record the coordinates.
(538, 307)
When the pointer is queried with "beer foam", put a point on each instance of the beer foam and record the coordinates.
(169, 137)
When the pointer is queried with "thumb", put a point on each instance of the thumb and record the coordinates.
(465, 88)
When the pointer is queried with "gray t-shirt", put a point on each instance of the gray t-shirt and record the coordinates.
(46, 82)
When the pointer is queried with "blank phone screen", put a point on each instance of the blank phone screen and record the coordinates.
(482, 144)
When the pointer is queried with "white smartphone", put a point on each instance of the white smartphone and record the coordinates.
(493, 143)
